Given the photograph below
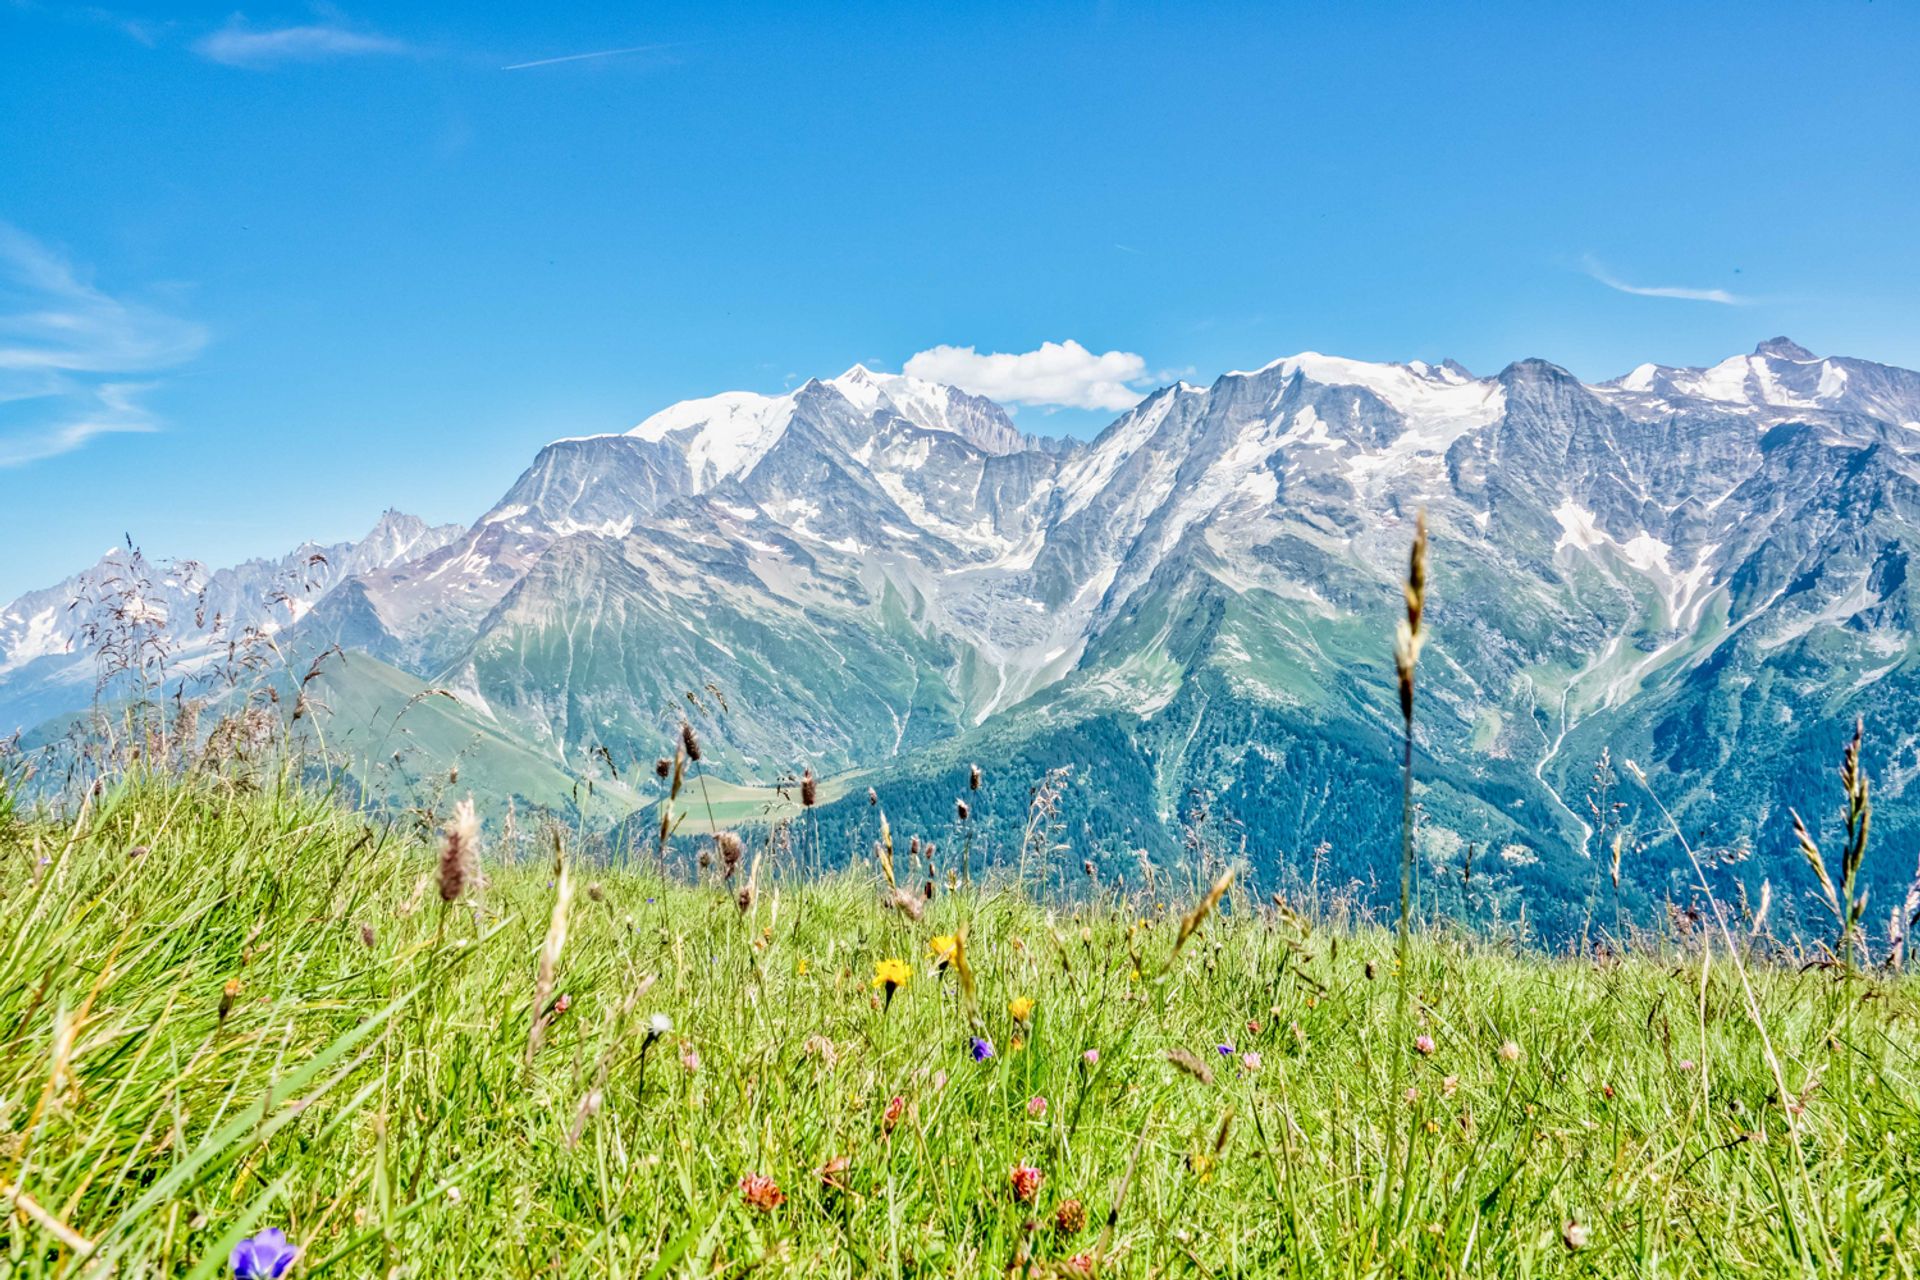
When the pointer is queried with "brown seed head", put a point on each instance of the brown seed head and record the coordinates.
(688, 742)
(809, 789)
(731, 851)
(459, 847)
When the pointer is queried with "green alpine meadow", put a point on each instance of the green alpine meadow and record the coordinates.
(236, 1006)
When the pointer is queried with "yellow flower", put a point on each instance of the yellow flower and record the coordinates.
(1021, 1009)
(891, 974)
(1017, 1045)
(941, 946)
(801, 967)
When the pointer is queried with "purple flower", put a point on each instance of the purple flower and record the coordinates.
(1226, 1050)
(265, 1257)
(982, 1049)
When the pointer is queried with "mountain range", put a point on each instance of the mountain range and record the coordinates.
(1704, 570)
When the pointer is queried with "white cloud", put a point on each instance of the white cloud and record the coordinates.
(1057, 373)
(66, 348)
(1607, 278)
(238, 45)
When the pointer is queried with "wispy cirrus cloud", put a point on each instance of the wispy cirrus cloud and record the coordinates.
(240, 45)
(1061, 374)
(71, 354)
(1597, 271)
(585, 57)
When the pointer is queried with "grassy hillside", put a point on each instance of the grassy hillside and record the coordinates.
(224, 1010)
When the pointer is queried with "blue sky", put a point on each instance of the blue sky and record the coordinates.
(265, 273)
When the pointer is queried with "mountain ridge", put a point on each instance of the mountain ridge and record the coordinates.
(874, 571)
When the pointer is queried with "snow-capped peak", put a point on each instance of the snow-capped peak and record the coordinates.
(932, 405)
(722, 435)
(1778, 374)
(1420, 392)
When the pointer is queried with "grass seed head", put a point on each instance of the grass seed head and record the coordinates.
(459, 848)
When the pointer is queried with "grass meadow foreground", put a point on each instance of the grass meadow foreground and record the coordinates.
(228, 1011)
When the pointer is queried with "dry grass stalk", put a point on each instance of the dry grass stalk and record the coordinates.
(1192, 921)
(550, 949)
(1847, 909)
(1191, 1064)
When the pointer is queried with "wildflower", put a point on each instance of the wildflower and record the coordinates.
(1574, 1235)
(1026, 1182)
(941, 947)
(264, 1257)
(1070, 1218)
(1412, 1095)
(690, 1058)
(1225, 1050)
(800, 967)
(659, 1025)
(1250, 1061)
(1036, 1106)
(1020, 1009)
(1686, 1064)
(562, 1003)
(1509, 1052)
(896, 1107)
(982, 1049)
(1081, 1264)
(1091, 1057)
(1424, 1044)
(890, 976)
(829, 1173)
(1016, 1044)
(1449, 1086)
(939, 1081)
(762, 1192)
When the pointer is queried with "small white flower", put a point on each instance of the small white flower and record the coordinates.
(659, 1024)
